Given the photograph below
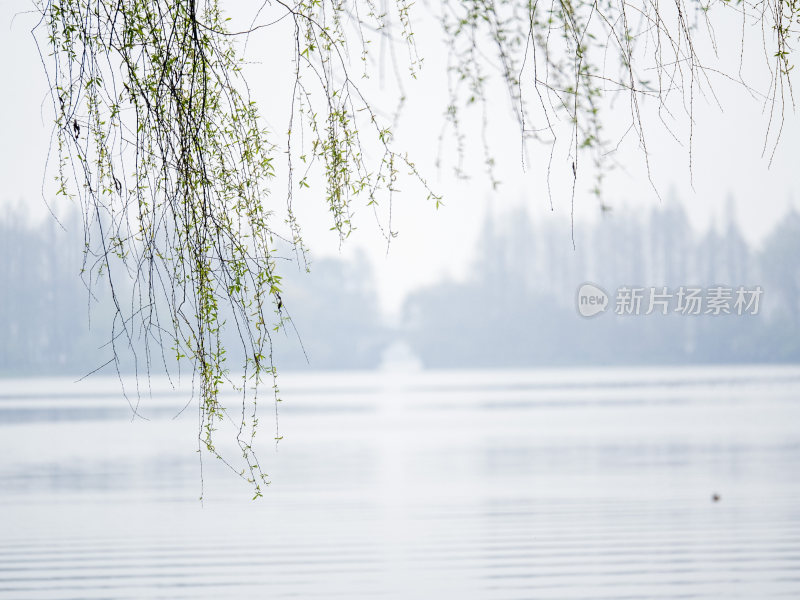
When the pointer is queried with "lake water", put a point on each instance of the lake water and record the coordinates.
(499, 485)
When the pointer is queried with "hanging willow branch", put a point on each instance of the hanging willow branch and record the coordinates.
(159, 142)
(566, 62)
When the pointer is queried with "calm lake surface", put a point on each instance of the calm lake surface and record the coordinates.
(498, 484)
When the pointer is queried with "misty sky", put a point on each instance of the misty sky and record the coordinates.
(727, 146)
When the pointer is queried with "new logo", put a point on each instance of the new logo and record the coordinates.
(592, 300)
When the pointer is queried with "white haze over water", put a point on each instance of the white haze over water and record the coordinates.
(568, 484)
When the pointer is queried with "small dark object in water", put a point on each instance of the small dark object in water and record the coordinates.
(715, 497)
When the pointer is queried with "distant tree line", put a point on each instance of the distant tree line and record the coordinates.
(516, 308)
(45, 305)
(57, 318)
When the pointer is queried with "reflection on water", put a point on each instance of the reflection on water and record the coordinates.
(498, 485)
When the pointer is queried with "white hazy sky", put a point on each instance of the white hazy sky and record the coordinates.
(727, 161)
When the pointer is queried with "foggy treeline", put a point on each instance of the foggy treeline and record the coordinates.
(58, 320)
(48, 323)
(516, 307)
